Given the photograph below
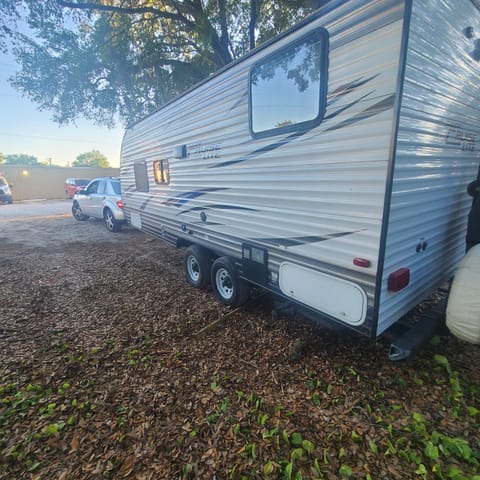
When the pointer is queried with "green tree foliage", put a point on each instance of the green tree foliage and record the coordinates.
(20, 159)
(107, 60)
(8, 17)
(2, 157)
(91, 159)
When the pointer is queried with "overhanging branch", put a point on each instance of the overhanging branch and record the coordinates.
(126, 10)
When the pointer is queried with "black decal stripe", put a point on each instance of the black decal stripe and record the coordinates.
(347, 88)
(216, 207)
(185, 197)
(296, 241)
(261, 151)
(207, 223)
(346, 107)
(382, 106)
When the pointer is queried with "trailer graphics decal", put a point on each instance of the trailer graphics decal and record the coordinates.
(297, 241)
(347, 88)
(382, 106)
(185, 197)
(461, 138)
(262, 150)
(385, 104)
(216, 207)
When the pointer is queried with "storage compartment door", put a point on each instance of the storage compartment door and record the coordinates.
(333, 296)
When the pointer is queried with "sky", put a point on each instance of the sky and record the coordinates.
(24, 129)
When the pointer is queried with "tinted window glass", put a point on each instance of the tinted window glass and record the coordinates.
(287, 89)
(116, 187)
(101, 186)
(92, 188)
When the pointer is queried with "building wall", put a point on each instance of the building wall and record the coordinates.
(40, 182)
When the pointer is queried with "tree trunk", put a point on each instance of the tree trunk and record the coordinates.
(254, 8)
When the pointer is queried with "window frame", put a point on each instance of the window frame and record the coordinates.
(322, 35)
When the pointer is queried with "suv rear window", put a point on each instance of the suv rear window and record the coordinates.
(116, 187)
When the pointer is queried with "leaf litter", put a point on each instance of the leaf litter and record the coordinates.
(104, 375)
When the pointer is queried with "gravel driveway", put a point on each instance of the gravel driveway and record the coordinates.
(50, 223)
(105, 374)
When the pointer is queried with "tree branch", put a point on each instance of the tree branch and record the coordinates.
(126, 10)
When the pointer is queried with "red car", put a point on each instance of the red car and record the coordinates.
(74, 185)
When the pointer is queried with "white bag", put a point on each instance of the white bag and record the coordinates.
(463, 308)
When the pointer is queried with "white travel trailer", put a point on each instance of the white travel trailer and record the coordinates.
(329, 165)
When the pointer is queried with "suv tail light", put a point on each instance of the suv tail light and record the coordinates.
(120, 204)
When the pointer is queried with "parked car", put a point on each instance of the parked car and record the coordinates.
(5, 191)
(100, 199)
(74, 185)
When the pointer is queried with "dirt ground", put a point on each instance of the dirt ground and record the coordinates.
(105, 373)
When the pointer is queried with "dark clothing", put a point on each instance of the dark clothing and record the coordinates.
(473, 226)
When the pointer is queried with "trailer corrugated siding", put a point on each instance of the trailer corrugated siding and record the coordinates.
(439, 117)
(329, 180)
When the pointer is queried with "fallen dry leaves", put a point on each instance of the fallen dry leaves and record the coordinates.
(103, 375)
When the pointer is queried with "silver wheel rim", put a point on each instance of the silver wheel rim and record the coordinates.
(224, 283)
(109, 220)
(77, 212)
(193, 268)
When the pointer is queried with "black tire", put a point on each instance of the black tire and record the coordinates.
(111, 223)
(77, 213)
(196, 264)
(227, 286)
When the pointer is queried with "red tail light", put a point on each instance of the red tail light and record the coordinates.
(120, 204)
(398, 279)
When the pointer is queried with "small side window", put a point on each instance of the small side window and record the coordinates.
(288, 88)
(92, 188)
(161, 171)
(141, 177)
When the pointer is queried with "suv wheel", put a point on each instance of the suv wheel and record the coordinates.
(77, 212)
(110, 222)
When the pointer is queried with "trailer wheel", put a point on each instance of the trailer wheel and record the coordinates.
(229, 289)
(196, 263)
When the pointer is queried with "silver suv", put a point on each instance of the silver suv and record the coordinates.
(101, 198)
(5, 192)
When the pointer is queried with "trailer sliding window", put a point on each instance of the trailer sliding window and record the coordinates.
(161, 171)
(288, 88)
